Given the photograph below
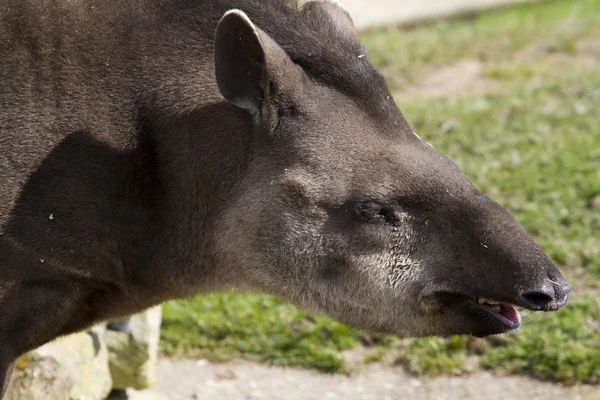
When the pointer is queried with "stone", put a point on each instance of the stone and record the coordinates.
(73, 367)
(595, 202)
(133, 355)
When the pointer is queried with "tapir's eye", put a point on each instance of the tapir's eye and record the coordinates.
(373, 212)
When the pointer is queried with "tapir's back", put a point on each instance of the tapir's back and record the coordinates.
(64, 67)
(61, 75)
(86, 74)
(97, 70)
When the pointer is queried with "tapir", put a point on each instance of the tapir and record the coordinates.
(156, 149)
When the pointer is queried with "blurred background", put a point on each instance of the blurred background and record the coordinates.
(509, 90)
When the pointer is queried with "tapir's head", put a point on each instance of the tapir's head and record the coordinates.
(345, 211)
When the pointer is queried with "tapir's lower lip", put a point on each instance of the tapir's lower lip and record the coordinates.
(506, 313)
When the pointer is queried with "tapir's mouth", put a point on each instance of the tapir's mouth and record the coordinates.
(481, 313)
(505, 313)
(478, 316)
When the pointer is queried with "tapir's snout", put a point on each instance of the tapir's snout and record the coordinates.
(549, 295)
(539, 284)
(494, 266)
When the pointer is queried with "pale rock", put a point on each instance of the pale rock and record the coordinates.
(73, 367)
(133, 355)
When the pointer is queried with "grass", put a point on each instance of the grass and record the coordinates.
(492, 37)
(224, 326)
(563, 346)
(532, 144)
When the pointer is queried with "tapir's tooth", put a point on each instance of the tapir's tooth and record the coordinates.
(481, 300)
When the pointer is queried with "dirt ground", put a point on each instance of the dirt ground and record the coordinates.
(200, 379)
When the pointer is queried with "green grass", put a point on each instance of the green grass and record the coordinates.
(432, 356)
(224, 326)
(564, 346)
(492, 37)
(532, 144)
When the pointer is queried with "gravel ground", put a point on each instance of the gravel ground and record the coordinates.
(199, 379)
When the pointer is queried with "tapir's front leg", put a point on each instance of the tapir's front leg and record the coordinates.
(6, 369)
(29, 318)
(38, 303)
(31, 314)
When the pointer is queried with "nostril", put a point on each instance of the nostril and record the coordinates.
(537, 300)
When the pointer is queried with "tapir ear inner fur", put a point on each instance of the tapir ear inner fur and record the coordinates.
(240, 62)
(251, 68)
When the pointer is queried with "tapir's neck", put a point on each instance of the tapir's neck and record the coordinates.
(199, 145)
(126, 180)
(199, 158)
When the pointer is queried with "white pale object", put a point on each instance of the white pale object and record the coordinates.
(372, 13)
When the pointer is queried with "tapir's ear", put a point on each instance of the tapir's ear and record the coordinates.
(249, 64)
(240, 62)
(334, 11)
